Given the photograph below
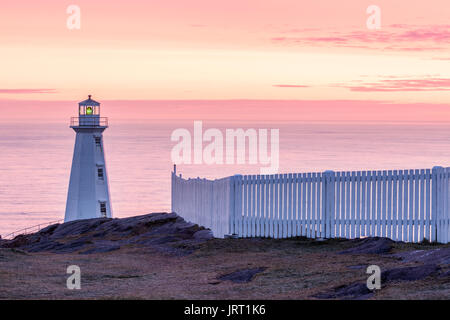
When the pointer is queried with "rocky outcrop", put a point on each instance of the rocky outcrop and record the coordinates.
(359, 291)
(164, 232)
(440, 256)
(375, 245)
(431, 261)
(409, 273)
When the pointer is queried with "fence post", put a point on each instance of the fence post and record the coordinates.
(445, 218)
(436, 203)
(172, 191)
(328, 193)
(235, 203)
(446, 212)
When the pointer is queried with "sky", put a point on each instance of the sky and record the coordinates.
(218, 50)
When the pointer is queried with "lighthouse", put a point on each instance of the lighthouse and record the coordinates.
(88, 195)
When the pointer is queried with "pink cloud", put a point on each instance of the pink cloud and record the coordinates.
(395, 85)
(413, 49)
(290, 86)
(279, 39)
(328, 39)
(393, 37)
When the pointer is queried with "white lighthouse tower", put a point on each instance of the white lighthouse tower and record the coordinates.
(88, 195)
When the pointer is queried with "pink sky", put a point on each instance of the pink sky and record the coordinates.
(247, 111)
(253, 49)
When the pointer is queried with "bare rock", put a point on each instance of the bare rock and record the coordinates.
(357, 267)
(165, 232)
(445, 274)
(76, 228)
(102, 246)
(205, 234)
(440, 256)
(409, 273)
(358, 291)
(240, 276)
(375, 245)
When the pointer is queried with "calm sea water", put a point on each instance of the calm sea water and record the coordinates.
(35, 160)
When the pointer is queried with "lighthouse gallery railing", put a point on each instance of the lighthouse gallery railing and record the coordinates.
(88, 121)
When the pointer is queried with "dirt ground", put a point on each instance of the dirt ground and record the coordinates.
(295, 269)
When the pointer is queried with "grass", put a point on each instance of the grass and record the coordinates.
(296, 269)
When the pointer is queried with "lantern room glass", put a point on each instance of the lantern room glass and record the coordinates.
(89, 110)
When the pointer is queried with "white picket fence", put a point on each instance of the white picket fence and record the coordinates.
(404, 205)
(204, 202)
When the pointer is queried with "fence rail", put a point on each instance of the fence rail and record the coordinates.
(31, 229)
(404, 205)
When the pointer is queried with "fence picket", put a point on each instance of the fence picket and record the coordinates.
(382, 231)
(280, 207)
(394, 220)
(248, 207)
(445, 216)
(336, 219)
(358, 206)
(400, 205)
(389, 205)
(258, 206)
(271, 207)
(294, 218)
(427, 234)
(363, 217)
(285, 204)
(411, 206)
(344, 192)
(304, 211)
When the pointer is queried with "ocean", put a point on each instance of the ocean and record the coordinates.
(35, 159)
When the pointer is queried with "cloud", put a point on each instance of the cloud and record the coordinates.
(290, 86)
(395, 85)
(392, 37)
(27, 91)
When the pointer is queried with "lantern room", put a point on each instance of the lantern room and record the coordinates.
(89, 107)
(88, 115)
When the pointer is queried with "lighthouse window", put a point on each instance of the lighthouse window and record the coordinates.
(100, 173)
(98, 141)
(103, 209)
